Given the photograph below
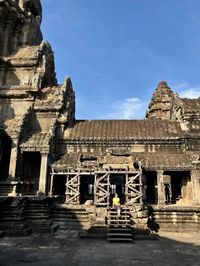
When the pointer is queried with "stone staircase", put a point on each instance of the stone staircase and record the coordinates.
(12, 219)
(70, 216)
(6, 188)
(38, 215)
(119, 228)
(175, 219)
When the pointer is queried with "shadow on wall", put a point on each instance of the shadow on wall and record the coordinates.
(19, 216)
(152, 224)
(6, 111)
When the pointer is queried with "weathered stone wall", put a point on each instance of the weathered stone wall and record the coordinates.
(178, 219)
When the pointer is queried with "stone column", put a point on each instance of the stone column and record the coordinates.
(1, 36)
(195, 178)
(13, 160)
(8, 33)
(2, 74)
(43, 173)
(160, 184)
(15, 38)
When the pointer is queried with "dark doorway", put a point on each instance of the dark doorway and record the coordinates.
(59, 185)
(180, 182)
(117, 185)
(31, 169)
(5, 151)
(150, 187)
(86, 188)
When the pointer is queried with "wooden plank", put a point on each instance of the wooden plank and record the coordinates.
(95, 172)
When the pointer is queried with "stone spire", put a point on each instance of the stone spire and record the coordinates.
(162, 102)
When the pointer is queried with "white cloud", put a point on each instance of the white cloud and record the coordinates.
(179, 86)
(190, 93)
(186, 91)
(130, 108)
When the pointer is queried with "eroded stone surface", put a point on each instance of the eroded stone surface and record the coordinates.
(66, 249)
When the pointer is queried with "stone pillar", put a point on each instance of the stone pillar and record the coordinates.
(43, 173)
(13, 159)
(21, 4)
(195, 178)
(8, 33)
(1, 36)
(160, 184)
(2, 74)
(15, 38)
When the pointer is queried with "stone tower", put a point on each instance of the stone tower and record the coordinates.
(163, 102)
(34, 109)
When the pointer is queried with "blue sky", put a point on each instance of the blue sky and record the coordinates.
(116, 51)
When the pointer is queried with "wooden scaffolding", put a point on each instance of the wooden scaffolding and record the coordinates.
(102, 186)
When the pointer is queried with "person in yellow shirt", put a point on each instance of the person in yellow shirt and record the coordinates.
(116, 204)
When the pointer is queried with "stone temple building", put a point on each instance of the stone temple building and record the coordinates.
(152, 163)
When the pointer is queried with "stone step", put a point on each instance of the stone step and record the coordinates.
(122, 211)
(118, 217)
(12, 225)
(120, 239)
(73, 225)
(118, 220)
(38, 228)
(109, 234)
(70, 218)
(36, 210)
(36, 204)
(181, 217)
(2, 234)
(8, 212)
(36, 217)
(16, 232)
(117, 230)
(57, 207)
(71, 221)
(69, 215)
(46, 209)
(11, 219)
(41, 222)
(119, 226)
(170, 221)
(121, 214)
(123, 208)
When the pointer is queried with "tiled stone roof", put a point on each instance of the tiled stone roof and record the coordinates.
(166, 161)
(35, 141)
(191, 104)
(71, 160)
(123, 130)
(13, 126)
(150, 161)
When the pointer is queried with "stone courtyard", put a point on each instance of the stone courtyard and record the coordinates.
(65, 248)
(59, 172)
